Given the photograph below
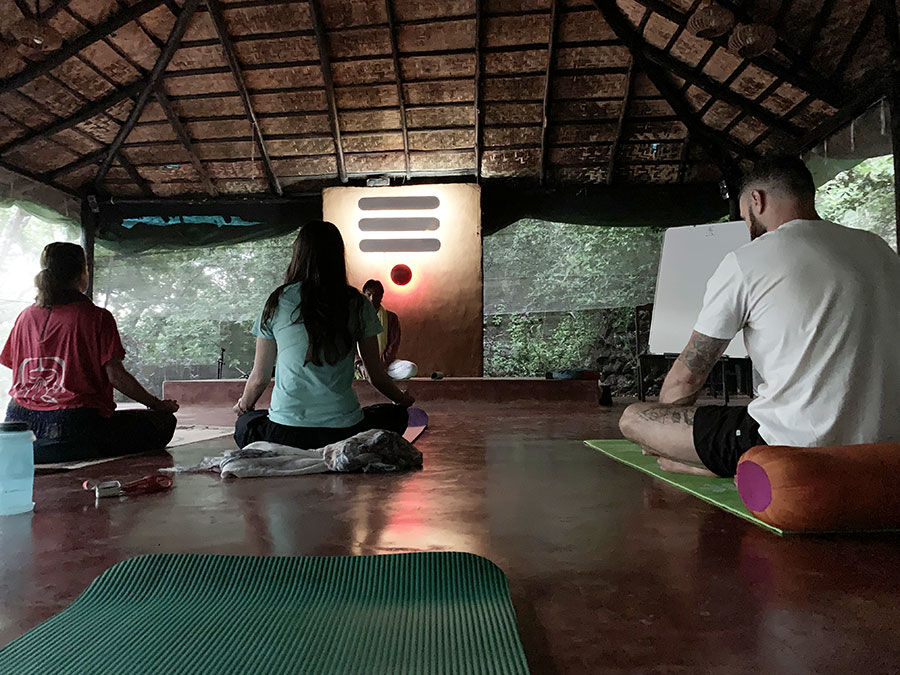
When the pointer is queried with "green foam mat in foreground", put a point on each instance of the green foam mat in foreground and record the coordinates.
(436, 613)
(721, 492)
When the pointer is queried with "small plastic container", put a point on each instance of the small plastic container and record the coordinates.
(16, 468)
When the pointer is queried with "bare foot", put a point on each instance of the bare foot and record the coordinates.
(677, 467)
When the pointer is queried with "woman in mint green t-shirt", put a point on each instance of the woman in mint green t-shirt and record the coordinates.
(309, 331)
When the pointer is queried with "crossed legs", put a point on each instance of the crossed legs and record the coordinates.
(666, 432)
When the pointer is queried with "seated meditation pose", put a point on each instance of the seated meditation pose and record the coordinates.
(818, 304)
(389, 337)
(66, 357)
(310, 329)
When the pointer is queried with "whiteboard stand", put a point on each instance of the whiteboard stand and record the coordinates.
(689, 257)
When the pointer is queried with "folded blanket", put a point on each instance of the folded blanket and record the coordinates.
(373, 451)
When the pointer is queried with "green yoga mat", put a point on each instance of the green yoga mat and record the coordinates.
(718, 491)
(436, 613)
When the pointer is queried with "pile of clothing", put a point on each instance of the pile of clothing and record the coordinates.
(373, 451)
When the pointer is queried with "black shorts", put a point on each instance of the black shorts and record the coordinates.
(722, 434)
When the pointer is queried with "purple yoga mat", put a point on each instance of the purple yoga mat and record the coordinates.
(418, 420)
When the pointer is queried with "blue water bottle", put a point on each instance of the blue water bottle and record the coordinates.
(16, 468)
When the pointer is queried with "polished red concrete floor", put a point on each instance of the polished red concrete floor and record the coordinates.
(610, 572)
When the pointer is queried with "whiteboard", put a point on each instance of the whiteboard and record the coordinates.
(689, 257)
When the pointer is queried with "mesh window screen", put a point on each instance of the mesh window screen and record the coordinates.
(854, 170)
(560, 296)
(177, 309)
(22, 238)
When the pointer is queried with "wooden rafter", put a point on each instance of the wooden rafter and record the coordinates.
(185, 139)
(799, 65)
(325, 63)
(862, 30)
(218, 19)
(683, 158)
(135, 176)
(398, 75)
(24, 9)
(712, 143)
(815, 86)
(620, 124)
(872, 89)
(680, 28)
(891, 31)
(82, 115)
(81, 162)
(694, 76)
(37, 178)
(96, 34)
(818, 23)
(548, 81)
(479, 65)
(162, 62)
(54, 9)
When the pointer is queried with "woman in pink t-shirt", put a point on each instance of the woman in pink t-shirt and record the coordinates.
(66, 357)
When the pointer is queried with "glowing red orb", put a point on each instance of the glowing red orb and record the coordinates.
(401, 275)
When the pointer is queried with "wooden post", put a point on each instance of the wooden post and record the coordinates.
(892, 36)
(895, 144)
(88, 234)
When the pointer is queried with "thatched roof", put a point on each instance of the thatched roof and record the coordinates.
(177, 97)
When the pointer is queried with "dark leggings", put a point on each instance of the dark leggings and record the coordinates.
(256, 426)
(84, 434)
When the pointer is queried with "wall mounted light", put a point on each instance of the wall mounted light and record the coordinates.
(401, 275)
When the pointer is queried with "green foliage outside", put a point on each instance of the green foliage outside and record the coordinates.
(560, 296)
(177, 309)
(862, 197)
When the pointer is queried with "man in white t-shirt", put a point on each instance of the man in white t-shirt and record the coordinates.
(819, 305)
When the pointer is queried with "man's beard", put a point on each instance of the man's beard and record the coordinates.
(757, 229)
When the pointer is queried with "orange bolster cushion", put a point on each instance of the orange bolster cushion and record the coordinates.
(851, 487)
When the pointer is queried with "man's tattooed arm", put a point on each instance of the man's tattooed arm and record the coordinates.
(702, 353)
(690, 371)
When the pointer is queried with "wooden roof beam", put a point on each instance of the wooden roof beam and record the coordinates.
(819, 22)
(185, 139)
(325, 63)
(398, 75)
(620, 125)
(548, 77)
(783, 46)
(218, 19)
(669, 63)
(162, 62)
(810, 83)
(97, 33)
(862, 30)
(54, 9)
(136, 177)
(872, 88)
(24, 9)
(81, 162)
(37, 178)
(82, 115)
(717, 147)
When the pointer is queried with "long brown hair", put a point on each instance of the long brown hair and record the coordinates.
(62, 265)
(329, 308)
